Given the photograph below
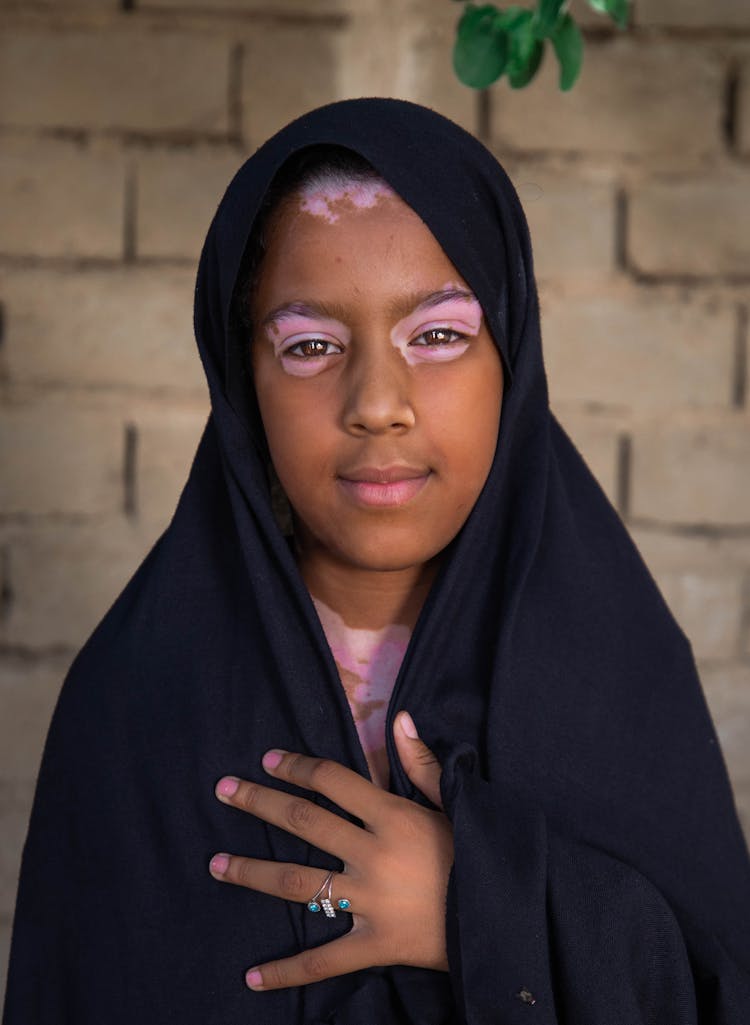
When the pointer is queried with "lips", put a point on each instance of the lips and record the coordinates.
(383, 486)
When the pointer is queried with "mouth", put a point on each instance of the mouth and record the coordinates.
(383, 486)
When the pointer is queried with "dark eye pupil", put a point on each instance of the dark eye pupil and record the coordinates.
(314, 348)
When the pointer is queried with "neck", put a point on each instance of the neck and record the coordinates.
(368, 599)
(367, 617)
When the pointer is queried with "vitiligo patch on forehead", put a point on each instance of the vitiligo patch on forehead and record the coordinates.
(329, 201)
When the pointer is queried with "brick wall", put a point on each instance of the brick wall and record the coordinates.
(121, 122)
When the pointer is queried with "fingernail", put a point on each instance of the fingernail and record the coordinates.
(219, 864)
(407, 726)
(227, 787)
(253, 978)
(272, 759)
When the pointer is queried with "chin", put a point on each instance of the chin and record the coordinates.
(377, 555)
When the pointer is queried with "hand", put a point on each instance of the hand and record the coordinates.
(395, 868)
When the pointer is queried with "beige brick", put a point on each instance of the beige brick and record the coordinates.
(708, 606)
(178, 192)
(15, 808)
(287, 70)
(640, 351)
(64, 5)
(421, 72)
(114, 80)
(417, 36)
(305, 8)
(694, 13)
(682, 551)
(597, 440)
(572, 225)
(57, 458)
(167, 441)
(612, 108)
(64, 577)
(727, 689)
(692, 475)
(60, 200)
(28, 692)
(127, 327)
(698, 228)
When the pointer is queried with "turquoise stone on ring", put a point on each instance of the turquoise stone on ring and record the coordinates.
(344, 904)
(313, 906)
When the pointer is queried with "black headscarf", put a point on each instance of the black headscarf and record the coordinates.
(600, 874)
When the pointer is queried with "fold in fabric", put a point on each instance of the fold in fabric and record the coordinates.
(600, 872)
(572, 931)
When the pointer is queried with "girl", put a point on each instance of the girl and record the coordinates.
(236, 819)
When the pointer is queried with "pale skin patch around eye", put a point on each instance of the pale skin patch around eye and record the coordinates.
(458, 314)
(323, 202)
(455, 315)
(291, 330)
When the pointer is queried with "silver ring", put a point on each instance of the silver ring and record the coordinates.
(322, 900)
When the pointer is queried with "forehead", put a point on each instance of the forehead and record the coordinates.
(331, 197)
(360, 241)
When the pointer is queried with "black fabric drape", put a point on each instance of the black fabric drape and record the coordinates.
(600, 873)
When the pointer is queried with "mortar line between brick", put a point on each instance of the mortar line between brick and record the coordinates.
(55, 659)
(484, 114)
(729, 109)
(690, 280)
(621, 230)
(6, 587)
(130, 215)
(744, 627)
(232, 14)
(623, 473)
(739, 382)
(129, 471)
(234, 97)
(184, 20)
(32, 655)
(706, 530)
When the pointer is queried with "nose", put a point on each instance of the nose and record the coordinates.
(378, 395)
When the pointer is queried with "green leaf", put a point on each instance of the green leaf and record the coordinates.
(522, 73)
(481, 49)
(511, 17)
(618, 10)
(568, 43)
(547, 16)
(526, 51)
(474, 18)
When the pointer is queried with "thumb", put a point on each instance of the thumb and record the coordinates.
(420, 764)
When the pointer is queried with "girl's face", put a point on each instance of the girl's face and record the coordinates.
(378, 383)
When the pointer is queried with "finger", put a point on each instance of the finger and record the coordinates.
(281, 879)
(420, 764)
(347, 954)
(344, 787)
(296, 815)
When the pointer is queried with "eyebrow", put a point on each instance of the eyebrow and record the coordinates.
(438, 298)
(413, 303)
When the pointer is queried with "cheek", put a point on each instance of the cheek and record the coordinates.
(466, 420)
(299, 438)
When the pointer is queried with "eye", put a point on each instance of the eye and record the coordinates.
(438, 336)
(310, 348)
